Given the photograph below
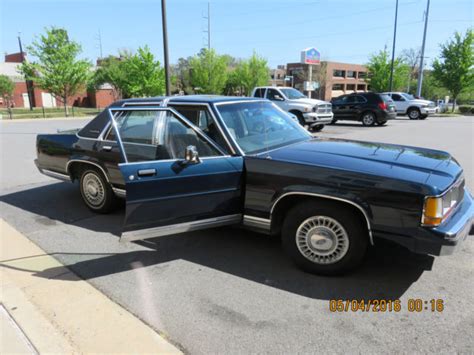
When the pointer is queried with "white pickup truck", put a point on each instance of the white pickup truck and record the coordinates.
(406, 104)
(310, 112)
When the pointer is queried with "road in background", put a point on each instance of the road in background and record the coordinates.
(232, 291)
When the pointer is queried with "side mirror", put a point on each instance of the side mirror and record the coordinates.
(278, 98)
(191, 155)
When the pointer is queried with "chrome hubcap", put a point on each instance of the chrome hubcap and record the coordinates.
(414, 114)
(322, 240)
(368, 119)
(93, 189)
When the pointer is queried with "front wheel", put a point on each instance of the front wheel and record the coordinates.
(317, 128)
(300, 117)
(324, 239)
(96, 192)
(414, 113)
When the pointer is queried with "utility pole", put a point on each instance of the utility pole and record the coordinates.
(165, 47)
(420, 75)
(27, 82)
(393, 47)
(208, 18)
(100, 44)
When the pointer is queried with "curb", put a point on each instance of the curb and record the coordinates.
(59, 312)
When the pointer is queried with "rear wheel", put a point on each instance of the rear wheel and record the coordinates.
(324, 239)
(96, 192)
(414, 113)
(368, 118)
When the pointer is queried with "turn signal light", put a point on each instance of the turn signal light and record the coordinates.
(433, 211)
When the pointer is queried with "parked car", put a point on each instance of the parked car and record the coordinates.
(194, 162)
(310, 112)
(407, 104)
(368, 107)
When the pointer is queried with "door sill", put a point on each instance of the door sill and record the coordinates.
(180, 228)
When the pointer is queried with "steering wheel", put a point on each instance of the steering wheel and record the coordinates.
(259, 127)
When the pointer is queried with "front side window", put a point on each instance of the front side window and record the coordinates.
(200, 117)
(260, 126)
(149, 135)
(397, 97)
(292, 94)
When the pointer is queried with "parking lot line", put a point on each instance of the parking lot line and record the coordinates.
(65, 314)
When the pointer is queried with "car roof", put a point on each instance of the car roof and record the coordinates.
(209, 99)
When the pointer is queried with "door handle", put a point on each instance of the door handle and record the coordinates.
(146, 172)
(107, 148)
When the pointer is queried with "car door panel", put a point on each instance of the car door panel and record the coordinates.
(167, 196)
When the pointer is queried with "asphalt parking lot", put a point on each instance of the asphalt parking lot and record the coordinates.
(233, 291)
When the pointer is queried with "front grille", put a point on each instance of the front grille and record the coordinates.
(431, 104)
(324, 108)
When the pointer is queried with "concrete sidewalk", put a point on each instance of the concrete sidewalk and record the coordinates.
(46, 313)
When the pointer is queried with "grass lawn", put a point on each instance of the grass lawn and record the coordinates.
(37, 112)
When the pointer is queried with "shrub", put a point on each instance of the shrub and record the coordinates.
(466, 109)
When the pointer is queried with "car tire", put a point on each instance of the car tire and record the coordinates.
(423, 117)
(368, 118)
(414, 113)
(382, 123)
(300, 117)
(325, 239)
(96, 192)
(317, 128)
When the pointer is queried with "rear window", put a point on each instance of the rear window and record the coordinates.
(95, 127)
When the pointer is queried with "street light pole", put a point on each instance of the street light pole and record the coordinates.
(393, 47)
(165, 47)
(420, 75)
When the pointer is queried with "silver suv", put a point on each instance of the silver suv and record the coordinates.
(416, 109)
(310, 112)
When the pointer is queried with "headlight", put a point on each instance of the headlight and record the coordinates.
(437, 209)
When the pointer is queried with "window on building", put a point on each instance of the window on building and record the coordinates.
(350, 87)
(351, 74)
(362, 75)
(361, 87)
(279, 76)
(338, 86)
(339, 73)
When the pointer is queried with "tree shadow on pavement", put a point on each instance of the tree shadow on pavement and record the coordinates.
(388, 271)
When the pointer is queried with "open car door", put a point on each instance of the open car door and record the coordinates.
(176, 178)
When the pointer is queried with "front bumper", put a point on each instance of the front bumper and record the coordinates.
(446, 238)
(428, 110)
(320, 118)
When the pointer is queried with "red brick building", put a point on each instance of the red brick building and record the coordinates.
(40, 98)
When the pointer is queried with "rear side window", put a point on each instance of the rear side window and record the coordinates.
(386, 98)
(95, 127)
(259, 92)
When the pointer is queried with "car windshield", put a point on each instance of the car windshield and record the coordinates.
(260, 126)
(292, 94)
(407, 96)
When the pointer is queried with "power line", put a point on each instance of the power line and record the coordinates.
(313, 20)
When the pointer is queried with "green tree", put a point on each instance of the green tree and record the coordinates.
(132, 75)
(57, 69)
(454, 70)
(251, 73)
(180, 76)
(379, 72)
(208, 72)
(7, 86)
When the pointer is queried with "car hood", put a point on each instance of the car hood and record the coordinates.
(311, 102)
(421, 102)
(435, 169)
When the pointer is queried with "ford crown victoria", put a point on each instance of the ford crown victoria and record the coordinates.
(194, 162)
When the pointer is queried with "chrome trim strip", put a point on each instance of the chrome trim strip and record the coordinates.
(87, 162)
(164, 160)
(180, 228)
(257, 222)
(119, 192)
(238, 101)
(211, 112)
(55, 174)
(330, 198)
(141, 103)
(117, 134)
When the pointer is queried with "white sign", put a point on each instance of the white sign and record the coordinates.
(310, 85)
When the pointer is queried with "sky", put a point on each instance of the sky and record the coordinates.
(342, 30)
